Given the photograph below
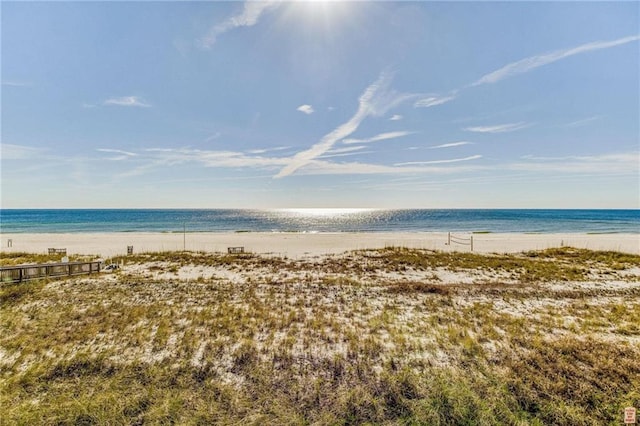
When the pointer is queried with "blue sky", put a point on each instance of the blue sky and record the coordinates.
(320, 104)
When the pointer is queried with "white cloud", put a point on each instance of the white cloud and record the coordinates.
(532, 62)
(377, 138)
(18, 152)
(117, 151)
(454, 160)
(583, 122)
(499, 128)
(251, 13)
(376, 100)
(213, 137)
(346, 151)
(123, 154)
(13, 83)
(129, 101)
(307, 109)
(265, 150)
(611, 163)
(318, 167)
(162, 157)
(396, 117)
(433, 100)
(451, 144)
(215, 158)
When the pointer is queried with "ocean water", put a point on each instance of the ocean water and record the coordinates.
(318, 220)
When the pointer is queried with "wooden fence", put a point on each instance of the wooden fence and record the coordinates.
(20, 273)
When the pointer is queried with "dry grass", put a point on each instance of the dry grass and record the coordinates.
(378, 337)
(21, 258)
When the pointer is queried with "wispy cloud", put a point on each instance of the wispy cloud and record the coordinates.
(154, 158)
(117, 151)
(160, 158)
(213, 137)
(251, 13)
(343, 152)
(433, 100)
(396, 117)
(14, 83)
(532, 62)
(499, 128)
(376, 100)
(318, 167)
(216, 158)
(128, 101)
(265, 150)
(123, 155)
(380, 137)
(609, 163)
(346, 149)
(453, 160)
(307, 109)
(584, 121)
(18, 152)
(451, 144)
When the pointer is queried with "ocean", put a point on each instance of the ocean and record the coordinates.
(318, 220)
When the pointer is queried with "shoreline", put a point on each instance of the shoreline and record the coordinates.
(298, 244)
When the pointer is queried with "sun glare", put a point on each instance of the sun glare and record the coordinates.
(329, 13)
(326, 212)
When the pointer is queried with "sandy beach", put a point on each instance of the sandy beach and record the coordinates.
(302, 245)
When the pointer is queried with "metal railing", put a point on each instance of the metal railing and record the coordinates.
(460, 240)
(20, 273)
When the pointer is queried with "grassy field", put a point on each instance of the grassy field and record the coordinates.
(392, 336)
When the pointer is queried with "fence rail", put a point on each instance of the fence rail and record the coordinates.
(20, 273)
(460, 240)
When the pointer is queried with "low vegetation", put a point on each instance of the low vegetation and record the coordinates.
(391, 336)
(22, 258)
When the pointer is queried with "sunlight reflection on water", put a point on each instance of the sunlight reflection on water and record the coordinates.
(325, 212)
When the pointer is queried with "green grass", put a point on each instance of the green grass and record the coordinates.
(333, 341)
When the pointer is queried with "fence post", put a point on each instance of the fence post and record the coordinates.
(449, 239)
(472, 243)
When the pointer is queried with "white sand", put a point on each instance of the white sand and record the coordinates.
(297, 245)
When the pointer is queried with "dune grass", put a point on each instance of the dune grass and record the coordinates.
(352, 339)
(21, 258)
